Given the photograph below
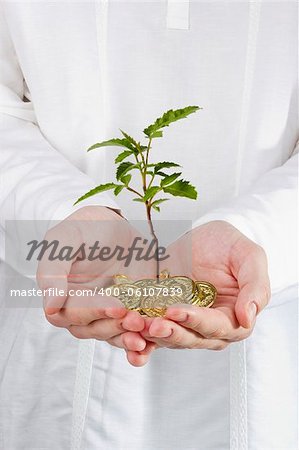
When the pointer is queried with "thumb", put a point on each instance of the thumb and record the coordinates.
(248, 305)
(52, 275)
(55, 292)
(254, 287)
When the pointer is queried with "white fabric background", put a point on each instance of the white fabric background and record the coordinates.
(90, 68)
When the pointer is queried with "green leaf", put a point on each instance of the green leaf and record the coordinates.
(151, 192)
(165, 165)
(157, 134)
(168, 118)
(123, 155)
(97, 190)
(124, 167)
(131, 140)
(158, 202)
(113, 143)
(162, 174)
(170, 178)
(156, 208)
(138, 199)
(126, 179)
(118, 189)
(181, 188)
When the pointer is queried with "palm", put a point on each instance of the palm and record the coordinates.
(215, 252)
(211, 262)
(212, 250)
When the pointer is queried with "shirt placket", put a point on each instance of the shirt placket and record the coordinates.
(178, 14)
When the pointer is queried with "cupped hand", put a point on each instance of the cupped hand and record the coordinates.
(81, 306)
(238, 269)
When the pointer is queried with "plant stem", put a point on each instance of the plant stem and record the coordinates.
(150, 223)
(148, 204)
(133, 190)
(151, 181)
(147, 150)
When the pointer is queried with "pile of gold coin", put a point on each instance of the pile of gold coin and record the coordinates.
(151, 297)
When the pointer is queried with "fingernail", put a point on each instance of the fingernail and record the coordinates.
(115, 313)
(178, 316)
(162, 333)
(252, 310)
(140, 346)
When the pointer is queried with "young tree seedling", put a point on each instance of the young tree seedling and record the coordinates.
(156, 178)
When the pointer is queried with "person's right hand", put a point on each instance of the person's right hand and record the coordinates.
(94, 316)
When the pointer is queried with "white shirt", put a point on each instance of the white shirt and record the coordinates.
(88, 69)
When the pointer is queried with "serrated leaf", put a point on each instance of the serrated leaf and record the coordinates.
(123, 155)
(118, 189)
(170, 178)
(168, 118)
(126, 179)
(113, 143)
(158, 202)
(162, 174)
(123, 168)
(96, 190)
(131, 140)
(156, 208)
(151, 192)
(157, 134)
(164, 165)
(181, 188)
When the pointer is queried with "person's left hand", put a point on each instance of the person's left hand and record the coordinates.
(238, 269)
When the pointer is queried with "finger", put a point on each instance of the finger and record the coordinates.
(101, 330)
(52, 274)
(210, 323)
(116, 312)
(254, 287)
(133, 321)
(54, 287)
(172, 335)
(145, 332)
(98, 308)
(129, 341)
(139, 359)
(77, 316)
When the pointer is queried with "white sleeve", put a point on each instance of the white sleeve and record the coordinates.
(36, 181)
(268, 215)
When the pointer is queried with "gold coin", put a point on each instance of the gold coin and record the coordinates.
(155, 306)
(179, 285)
(151, 297)
(121, 279)
(164, 274)
(159, 294)
(126, 293)
(205, 295)
(187, 287)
